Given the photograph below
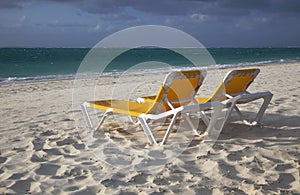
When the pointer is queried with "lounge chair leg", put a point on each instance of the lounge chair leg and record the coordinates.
(215, 127)
(204, 118)
(228, 112)
(246, 122)
(169, 129)
(262, 109)
(106, 114)
(188, 119)
(143, 122)
(86, 115)
(239, 112)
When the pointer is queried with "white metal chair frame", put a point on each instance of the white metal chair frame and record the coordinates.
(244, 97)
(185, 110)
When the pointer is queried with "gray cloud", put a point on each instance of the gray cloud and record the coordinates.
(253, 4)
(57, 23)
(175, 7)
(11, 4)
(220, 22)
(186, 7)
(287, 8)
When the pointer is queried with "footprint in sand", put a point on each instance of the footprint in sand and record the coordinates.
(2, 159)
(22, 186)
(47, 169)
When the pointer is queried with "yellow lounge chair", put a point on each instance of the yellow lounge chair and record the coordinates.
(233, 88)
(173, 98)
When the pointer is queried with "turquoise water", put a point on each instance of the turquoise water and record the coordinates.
(17, 64)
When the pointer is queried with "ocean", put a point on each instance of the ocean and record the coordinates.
(35, 64)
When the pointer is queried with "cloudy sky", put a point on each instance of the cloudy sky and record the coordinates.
(215, 23)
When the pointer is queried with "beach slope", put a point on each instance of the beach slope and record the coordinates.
(41, 150)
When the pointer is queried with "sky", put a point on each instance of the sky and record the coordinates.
(215, 23)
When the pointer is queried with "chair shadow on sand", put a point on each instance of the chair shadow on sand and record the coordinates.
(275, 127)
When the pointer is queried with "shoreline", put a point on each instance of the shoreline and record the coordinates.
(50, 78)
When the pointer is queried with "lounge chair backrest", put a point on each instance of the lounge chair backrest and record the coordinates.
(234, 83)
(178, 89)
(237, 81)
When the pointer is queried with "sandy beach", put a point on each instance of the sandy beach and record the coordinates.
(42, 151)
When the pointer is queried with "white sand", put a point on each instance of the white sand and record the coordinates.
(41, 150)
